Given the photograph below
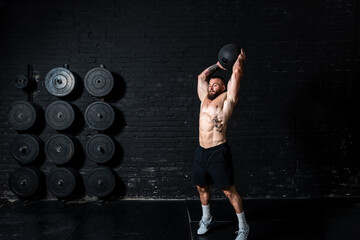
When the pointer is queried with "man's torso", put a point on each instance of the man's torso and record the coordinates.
(214, 116)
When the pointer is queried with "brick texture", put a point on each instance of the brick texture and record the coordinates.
(294, 133)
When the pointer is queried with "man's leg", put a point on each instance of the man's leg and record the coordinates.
(204, 193)
(236, 202)
(206, 220)
(234, 198)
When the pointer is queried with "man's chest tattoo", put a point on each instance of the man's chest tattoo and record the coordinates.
(217, 124)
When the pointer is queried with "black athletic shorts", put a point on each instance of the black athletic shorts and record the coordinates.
(213, 166)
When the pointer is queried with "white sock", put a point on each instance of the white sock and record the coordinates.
(206, 212)
(242, 220)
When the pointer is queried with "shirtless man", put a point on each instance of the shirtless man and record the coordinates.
(212, 161)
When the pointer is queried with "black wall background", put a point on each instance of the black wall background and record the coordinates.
(294, 133)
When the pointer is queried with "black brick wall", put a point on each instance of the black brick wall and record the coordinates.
(294, 132)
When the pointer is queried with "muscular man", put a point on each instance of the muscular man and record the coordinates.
(212, 161)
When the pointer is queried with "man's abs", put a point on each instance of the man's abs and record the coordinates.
(211, 131)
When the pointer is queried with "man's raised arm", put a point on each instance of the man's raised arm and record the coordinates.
(234, 82)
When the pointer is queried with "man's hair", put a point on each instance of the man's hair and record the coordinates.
(219, 77)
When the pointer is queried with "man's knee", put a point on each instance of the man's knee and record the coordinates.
(203, 190)
(229, 192)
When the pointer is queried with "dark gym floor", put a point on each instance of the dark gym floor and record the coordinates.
(308, 219)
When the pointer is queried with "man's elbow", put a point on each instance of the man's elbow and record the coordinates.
(201, 78)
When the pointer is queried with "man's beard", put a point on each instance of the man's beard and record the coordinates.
(213, 96)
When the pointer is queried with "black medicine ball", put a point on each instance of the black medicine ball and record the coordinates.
(228, 55)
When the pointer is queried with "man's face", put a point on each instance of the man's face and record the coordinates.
(216, 87)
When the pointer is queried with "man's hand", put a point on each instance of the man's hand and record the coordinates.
(242, 56)
(238, 65)
(219, 65)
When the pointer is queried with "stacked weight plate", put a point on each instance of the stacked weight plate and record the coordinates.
(100, 148)
(23, 115)
(99, 115)
(59, 115)
(26, 182)
(26, 148)
(99, 82)
(60, 149)
(62, 182)
(101, 182)
(21, 81)
(60, 82)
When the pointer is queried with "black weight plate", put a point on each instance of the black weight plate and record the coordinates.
(59, 149)
(59, 81)
(99, 115)
(59, 115)
(25, 182)
(25, 148)
(101, 182)
(99, 82)
(22, 115)
(100, 148)
(21, 81)
(61, 182)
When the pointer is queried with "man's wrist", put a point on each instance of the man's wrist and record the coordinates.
(211, 70)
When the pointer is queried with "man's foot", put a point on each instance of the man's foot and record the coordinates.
(243, 233)
(204, 226)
